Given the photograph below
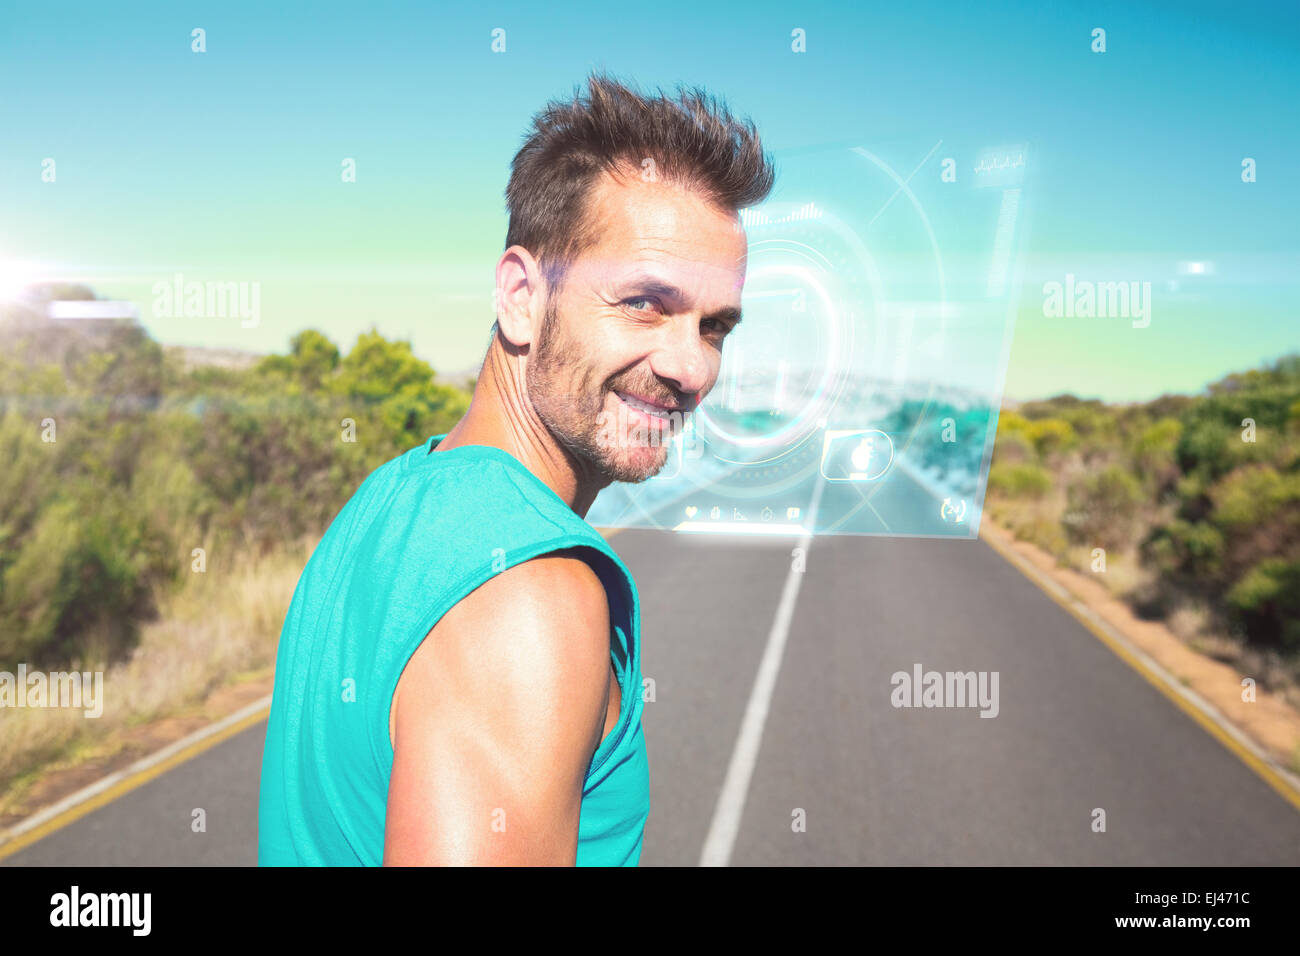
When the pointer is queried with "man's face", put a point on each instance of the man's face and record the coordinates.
(632, 341)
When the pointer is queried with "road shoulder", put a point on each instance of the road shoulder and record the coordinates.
(1269, 722)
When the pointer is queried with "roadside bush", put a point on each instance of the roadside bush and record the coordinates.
(1266, 603)
(152, 461)
(1154, 453)
(1051, 435)
(1012, 448)
(1186, 552)
(1101, 508)
(1046, 534)
(1254, 496)
(1021, 481)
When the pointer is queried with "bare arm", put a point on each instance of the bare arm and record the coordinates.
(495, 720)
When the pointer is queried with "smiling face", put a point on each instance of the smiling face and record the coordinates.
(632, 341)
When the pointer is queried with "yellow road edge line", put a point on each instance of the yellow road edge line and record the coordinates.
(131, 781)
(1119, 645)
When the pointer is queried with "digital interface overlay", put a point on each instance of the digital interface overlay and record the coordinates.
(860, 394)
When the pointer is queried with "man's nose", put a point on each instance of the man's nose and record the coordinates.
(683, 360)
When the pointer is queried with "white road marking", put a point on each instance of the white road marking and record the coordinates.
(735, 788)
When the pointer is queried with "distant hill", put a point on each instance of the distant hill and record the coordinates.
(462, 378)
(193, 357)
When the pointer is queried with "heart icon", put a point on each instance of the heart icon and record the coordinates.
(690, 511)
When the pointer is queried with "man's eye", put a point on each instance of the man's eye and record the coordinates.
(640, 298)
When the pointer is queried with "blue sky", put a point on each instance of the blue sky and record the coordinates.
(226, 164)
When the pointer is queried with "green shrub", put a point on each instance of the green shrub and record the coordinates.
(1188, 552)
(1051, 435)
(152, 461)
(1045, 534)
(1101, 507)
(1252, 496)
(1011, 448)
(1155, 452)
(1022, 481)
(1266, 602)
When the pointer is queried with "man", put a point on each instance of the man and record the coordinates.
(459, 674)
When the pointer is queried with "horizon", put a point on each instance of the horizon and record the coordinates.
(461, 376)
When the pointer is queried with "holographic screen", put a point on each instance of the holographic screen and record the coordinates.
(860, 394)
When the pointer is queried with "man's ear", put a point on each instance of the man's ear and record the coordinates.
(519, 296)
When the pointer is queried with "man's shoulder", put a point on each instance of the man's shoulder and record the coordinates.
(553, 598)
(559, 579)
(447, 493)
(452, 518)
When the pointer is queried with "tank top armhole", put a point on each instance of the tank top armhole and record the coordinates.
(619, 605)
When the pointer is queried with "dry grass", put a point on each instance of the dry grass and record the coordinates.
(1037, 521)
(1192, 624)
(1124, 574)
(220, 624)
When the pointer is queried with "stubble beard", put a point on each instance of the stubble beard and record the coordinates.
(571, 404)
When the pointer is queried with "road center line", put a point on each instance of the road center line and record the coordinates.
(735, 788)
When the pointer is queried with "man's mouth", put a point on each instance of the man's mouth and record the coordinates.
(656, 413)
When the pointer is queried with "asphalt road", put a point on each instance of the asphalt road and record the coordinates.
(1076, 728)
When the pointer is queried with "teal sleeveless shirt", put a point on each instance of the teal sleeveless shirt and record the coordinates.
(422, 532)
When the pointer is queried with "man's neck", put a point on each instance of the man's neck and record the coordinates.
(500, 415)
